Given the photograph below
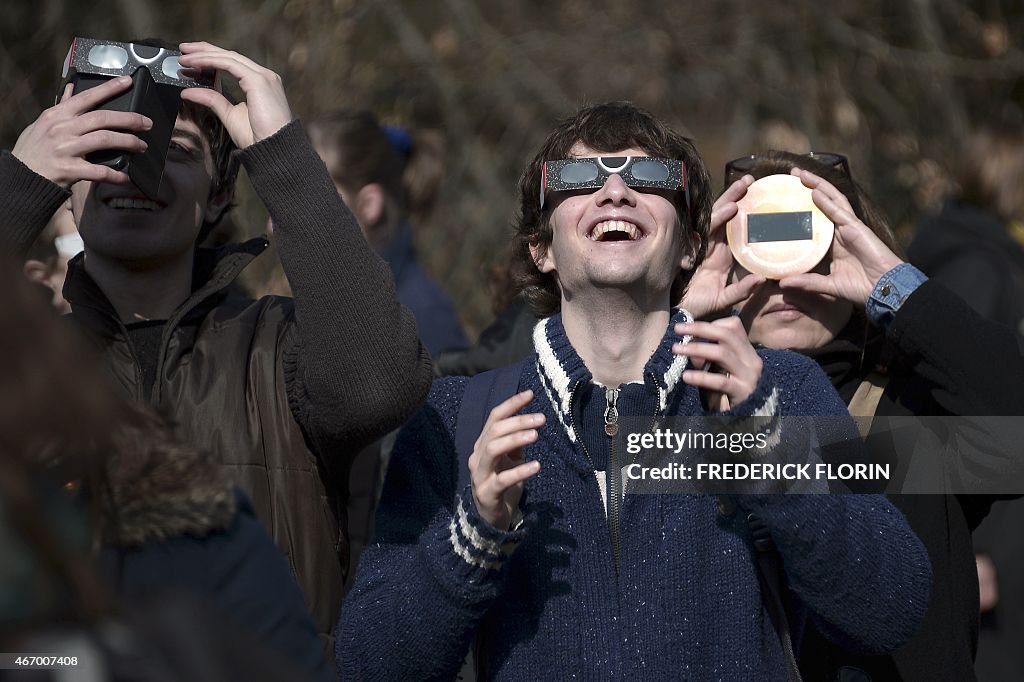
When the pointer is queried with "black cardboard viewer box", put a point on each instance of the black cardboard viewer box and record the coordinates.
(156, 92)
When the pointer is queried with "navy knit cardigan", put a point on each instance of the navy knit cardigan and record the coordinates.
(545, 601)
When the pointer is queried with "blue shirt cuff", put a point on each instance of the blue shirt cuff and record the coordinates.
(892, 289)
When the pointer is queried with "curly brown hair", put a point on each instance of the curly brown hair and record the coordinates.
(609, 127)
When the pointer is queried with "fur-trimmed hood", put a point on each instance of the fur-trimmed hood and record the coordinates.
(159, 488)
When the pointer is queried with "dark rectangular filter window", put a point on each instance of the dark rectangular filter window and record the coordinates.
(778, 227)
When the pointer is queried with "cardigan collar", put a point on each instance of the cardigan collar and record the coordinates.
(561, 368)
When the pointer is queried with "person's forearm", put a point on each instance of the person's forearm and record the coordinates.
(853, 560)
(435, 593)
(977, 365)
(359, 365)
(27, 202)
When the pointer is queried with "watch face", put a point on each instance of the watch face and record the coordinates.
(778, 231)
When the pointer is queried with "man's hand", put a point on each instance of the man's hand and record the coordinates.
(724, 345)
(55, 144)
(709, 292)
(265, 109)
(859, 258)
(496, 467)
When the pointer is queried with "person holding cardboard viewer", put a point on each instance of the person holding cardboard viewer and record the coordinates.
(282, 391)
(894, 344)
(505, 519)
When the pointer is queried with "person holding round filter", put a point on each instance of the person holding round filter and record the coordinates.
(885, 335)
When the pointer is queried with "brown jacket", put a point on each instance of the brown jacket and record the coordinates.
(283, 391)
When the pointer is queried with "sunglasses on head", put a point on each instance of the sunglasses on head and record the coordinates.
(638, 172)
(737, 168)
(113, 58)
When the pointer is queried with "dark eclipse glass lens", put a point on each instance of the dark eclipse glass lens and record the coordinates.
(575, 173)
(779, 227)
(649, 171)
(146, 51)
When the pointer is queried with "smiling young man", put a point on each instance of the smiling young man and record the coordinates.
(540, 557)
(281, 391)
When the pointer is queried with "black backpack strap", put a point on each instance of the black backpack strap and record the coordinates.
(483, 393)
(774, 582)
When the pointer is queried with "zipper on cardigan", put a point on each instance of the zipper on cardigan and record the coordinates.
(611, 427)
(614, 473)
(590, 461)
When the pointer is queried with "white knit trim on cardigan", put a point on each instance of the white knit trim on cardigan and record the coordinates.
(556, 381)
(475, 539)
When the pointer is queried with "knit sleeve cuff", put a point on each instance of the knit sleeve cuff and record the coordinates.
(758, 415)
(476, 542)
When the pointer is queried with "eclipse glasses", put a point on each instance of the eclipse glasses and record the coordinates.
(638, 172)
(112, 58)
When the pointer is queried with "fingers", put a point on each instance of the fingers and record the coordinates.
(708, 352)
(511, 444)
(201, 47)
(725, 207)
(726, 330)
(105, 139)
(496, 467)
(837, 210)
(98, 173)
(517, 423)
(709, 381)
(733, 354)
(823, 189)
(510, 477)
(740, 291)
(206, 56)
(509, 407)
(93, 97)
(720, 215)
(102, 119)
(211, 99)
(808, 281)
(55, 143)
(737, 190)
(504, 433)
(266, 108)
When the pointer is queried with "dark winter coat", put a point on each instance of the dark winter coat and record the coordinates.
(946, 360)
(173, 525)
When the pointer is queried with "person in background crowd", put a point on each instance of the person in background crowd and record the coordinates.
(105, 515)
(373, 169)
(281, 392)
(539, 557)
(47, 260)
(872, 320)
(975, 246)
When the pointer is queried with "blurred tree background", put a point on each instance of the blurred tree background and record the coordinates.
(894, 85)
